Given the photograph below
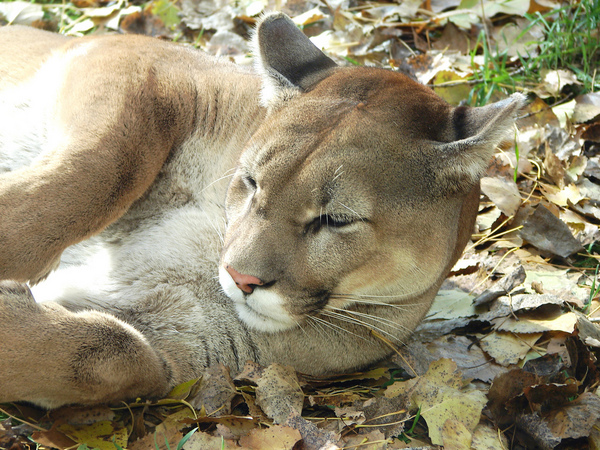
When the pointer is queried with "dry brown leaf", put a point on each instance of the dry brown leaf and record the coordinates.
(313, 438)
(53, 438)
(565, 196)
(502, 287)
(453, 38)
(204, 441)
(251, 373)
(374, 440)
(278, 392)
(469, 358)
(166, 432)
(275, 437)
(504, 193)
(216, 392)
(548, 233)
(587, 107)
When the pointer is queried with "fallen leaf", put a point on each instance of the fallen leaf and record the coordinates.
(99, 435)
(519, 38)
(455, 435)
(538, 433)
(387, 414)
(452, 94)
(504, 193)
(21, 13)
(486, 437)
(278, 392)
(548, 233)
(374, 440)
(251, 373)
(216, 390)
(502, 287)
(309, 17)
(469, 358)
(53, 438)
(508, 348)
(589, 332)
(560, 322)
(565, 196)
(313, 437)
(506, 387)
(555, 80)
(439, 395)
(275, 437)
(450, 304)
(204, 441)
(564, 111)
(587, 107)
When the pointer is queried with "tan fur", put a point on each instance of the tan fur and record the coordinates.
(355, 192)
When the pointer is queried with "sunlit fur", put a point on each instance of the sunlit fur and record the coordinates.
(152, 172)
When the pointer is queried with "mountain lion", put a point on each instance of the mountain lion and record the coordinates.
(172, 210)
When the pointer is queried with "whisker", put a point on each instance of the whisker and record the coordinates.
(219, 179)
(381, 320)
(351, 210)
(301, 327)
(218, 231)
(337, 175)
(317, 327)
(366, 301)
(356, 321)
(332, 325)
(397, 296)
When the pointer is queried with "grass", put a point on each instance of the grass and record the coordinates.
(571, 41)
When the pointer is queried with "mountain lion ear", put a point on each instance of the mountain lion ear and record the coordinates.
(477, 132)
(287, 59)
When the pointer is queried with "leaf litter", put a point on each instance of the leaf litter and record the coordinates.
(506, 357)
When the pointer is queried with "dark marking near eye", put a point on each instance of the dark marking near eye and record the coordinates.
(250, 182)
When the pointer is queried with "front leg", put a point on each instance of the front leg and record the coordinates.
(104, 142)
(52, 357)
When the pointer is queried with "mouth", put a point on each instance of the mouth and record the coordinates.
(262, 322)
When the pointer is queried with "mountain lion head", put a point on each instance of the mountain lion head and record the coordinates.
(361, 185)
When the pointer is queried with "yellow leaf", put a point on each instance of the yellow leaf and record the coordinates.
(450, 304)
(487, 437)
(508, 348)
(181, 391)
(450, 404)
(564, 322)
(456, 436)
(99, 435)
(453, 93)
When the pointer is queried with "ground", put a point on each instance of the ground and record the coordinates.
(507, 356)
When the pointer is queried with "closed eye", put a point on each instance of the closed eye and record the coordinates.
(250, 182)
(329, 221)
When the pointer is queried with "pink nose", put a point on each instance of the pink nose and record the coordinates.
(246, 283)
